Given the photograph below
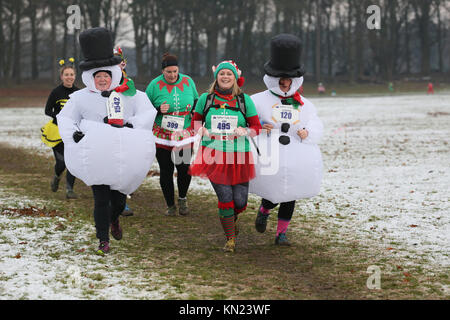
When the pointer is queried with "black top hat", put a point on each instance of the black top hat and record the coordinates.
(285, 54)
(97, 47)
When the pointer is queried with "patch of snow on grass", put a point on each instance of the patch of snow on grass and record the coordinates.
(386, 176)
(53, 258)
(21, 127)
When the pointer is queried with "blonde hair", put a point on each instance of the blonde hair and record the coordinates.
(235, 90)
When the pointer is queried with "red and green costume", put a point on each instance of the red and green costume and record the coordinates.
(180, 96)
(224, 158)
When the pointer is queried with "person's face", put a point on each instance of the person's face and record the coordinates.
(102, 80)
(285, 84)
(170, 74)
(68, 77)
(225, 79)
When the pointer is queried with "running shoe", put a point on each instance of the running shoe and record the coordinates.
(261, 221)
(70, 194)
(116, 230)
(281, 240)
(103, 248)
(183, 208)
(230, 245)
(171, 211)
(127, 211)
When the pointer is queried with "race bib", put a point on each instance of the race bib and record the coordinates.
(285, 114)
(172, 123)
(114, 108)
(222, 124)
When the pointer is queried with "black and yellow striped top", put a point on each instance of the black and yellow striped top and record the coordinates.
(57, 99)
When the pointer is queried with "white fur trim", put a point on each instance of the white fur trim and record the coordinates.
(88, 77)
(177, 143)
(273, 85)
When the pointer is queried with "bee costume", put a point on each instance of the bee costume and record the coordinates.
(50, 133)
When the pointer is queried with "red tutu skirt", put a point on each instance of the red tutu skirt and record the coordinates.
(220, 167)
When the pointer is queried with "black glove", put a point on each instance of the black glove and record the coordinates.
(77, 136)
(128, 125)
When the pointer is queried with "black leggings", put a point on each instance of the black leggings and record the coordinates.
(108, 204)
(237, 193)
(166, 168)
(60, 165)
(285, 211)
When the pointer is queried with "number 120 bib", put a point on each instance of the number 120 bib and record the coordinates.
(285, 113)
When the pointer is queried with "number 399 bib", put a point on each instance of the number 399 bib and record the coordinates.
(172, 123)
(222, 124)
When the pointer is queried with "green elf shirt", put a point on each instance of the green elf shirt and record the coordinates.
(180, 96)
(221, 123)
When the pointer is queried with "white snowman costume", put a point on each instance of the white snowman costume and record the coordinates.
(118, 157)
(292, 171)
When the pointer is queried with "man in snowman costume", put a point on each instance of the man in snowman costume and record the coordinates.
(107, 131)
(293, 131)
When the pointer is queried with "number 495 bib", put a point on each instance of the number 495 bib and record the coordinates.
(222, 124)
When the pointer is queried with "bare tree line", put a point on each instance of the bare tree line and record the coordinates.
(413, 38)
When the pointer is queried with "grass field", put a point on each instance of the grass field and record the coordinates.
(383, 203)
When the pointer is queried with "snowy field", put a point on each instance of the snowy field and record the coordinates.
(387, 174)
(386, 183)
(42, 259)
